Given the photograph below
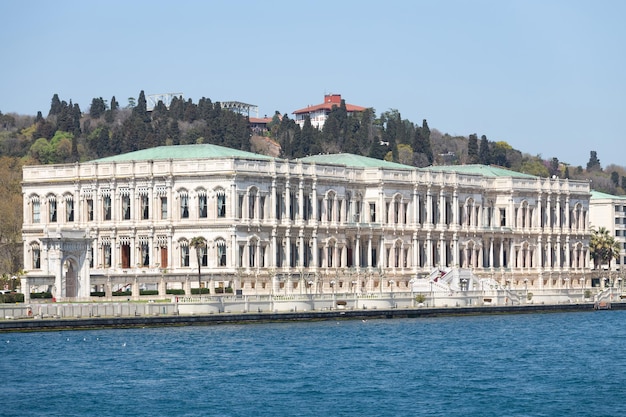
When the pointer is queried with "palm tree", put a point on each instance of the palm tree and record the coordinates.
(199, 244)
(603, 247)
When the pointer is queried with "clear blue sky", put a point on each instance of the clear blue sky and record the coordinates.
(548, 77)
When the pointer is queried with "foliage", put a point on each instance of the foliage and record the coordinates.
(535, 166)
(41, 295)
(12, 298)
(484, 153)
(603, 247)
(199, 244)
(594, 162)
(10, 215)
(472, 149)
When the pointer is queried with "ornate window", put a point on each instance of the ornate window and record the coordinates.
(36, 255)
(52, 209)
(221, 252)
(145, 207)
(163, 208)
(36, 209)
(202, 204)
(126, 207)
(106, 204)
(90, 209)
(69, 208)
(221, 203)
(184, 205)
(184, 253)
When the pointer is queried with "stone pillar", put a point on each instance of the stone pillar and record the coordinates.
(316, 261)
(429, 207)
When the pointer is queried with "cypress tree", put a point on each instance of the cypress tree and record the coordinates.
(594, 162)
(421, 142)
(56, 106)
(483, 151)
(97, 108)
(615, 178)
(472, 149)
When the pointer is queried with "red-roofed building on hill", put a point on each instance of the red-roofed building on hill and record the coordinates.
(259, 125)
(319, 112)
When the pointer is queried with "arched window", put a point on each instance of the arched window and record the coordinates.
(36, 209)
(221, 202)
(36, 255)
(52, 209)
(184, 204)
(69, 208)
(184, 252)
(202, 203)
(221, 252)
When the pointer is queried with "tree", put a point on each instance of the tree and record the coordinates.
(55, 106)
(594, 162)
(11, 249)
(484, 154)
(199, 244)
(500, 154)
(422, 145)
(615, 178)
(554, 167)
(472, 149)
(97, 107)
(603, 247)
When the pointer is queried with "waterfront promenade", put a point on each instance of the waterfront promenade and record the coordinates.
(184, 311)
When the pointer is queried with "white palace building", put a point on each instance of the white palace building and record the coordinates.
(314, 225)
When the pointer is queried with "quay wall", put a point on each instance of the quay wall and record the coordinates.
(156, 318)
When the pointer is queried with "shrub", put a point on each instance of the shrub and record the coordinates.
(12, 298)
(40, 295)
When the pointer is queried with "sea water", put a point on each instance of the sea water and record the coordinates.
(558, 364)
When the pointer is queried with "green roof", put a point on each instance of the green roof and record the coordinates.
(597, 195)
(484, 170)
(354, 161)
(200, 151)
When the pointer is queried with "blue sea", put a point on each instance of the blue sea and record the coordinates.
(559, 364)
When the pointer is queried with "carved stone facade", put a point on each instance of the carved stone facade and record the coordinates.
(319, 224)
